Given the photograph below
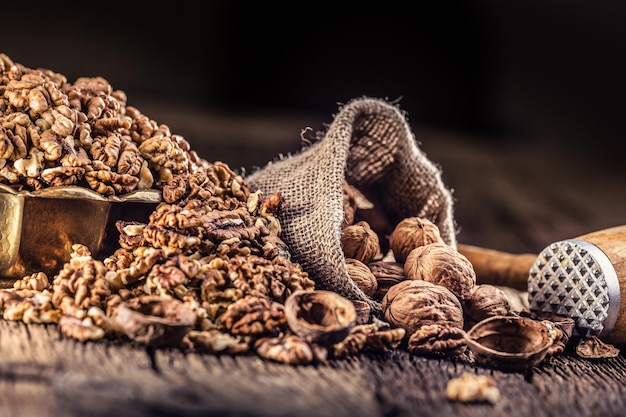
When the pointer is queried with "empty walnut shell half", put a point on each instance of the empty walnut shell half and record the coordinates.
(512, 343)
(154, 320)
(320, 316)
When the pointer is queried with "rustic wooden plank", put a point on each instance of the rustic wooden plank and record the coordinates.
(26, 371)
(247, 385)
(26, 390)
(583, 387)
(105, 378)
(70, 378)
(406, 384)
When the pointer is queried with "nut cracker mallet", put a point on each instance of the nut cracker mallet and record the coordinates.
(583, 278)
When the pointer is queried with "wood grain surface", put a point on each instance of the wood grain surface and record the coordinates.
(45, 374)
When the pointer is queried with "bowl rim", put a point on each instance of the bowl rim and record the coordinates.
(149, 195)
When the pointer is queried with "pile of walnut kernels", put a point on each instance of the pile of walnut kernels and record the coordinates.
(211, 247)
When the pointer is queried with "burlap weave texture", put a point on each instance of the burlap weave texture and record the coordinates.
(370, 144)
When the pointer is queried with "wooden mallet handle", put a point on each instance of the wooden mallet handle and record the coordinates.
(497, 267)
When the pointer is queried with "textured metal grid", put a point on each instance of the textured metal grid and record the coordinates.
(570, 281)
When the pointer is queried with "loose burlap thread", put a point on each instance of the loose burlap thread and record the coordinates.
(370, 145)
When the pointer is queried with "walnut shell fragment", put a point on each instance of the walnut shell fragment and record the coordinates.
(363, 311)
(320, 316)
(155, 320)
(512, 343)
(594, 348)
(561, 329)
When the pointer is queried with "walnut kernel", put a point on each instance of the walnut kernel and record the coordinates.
(473, 388)
(437, 339)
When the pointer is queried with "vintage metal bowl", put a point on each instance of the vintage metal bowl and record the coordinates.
(38, 228)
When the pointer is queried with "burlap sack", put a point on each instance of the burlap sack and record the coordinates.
(370, 144)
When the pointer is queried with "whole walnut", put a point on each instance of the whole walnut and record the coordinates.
(360, 241)
(410, 233)
(387, 274)
(362, 276)
(486, 300)
(442, 264)
(412, 304)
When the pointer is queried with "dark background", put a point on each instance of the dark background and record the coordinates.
(520, 102)
(505, 70)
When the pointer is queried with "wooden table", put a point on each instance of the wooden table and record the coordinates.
(508, 196)
(45, 374)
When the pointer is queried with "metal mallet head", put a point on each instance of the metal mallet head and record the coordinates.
(575, 278)
(581, 278)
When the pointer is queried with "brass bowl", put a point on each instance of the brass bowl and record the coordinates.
(38, 228)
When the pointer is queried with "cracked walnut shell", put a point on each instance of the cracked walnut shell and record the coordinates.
(154, 320)
(320, 316)
(512, 343)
